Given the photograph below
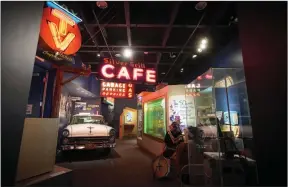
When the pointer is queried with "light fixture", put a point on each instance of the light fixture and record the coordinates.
(199, 50)
(98, 54)
(127, 53)
(202, 46)
(163, 73)
(118, 55)
(201, 5)
(102, 4)
(204, 41)
(194, 56)
(181, 70)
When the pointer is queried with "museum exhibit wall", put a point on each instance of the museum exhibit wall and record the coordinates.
(86, 82)
(38, 147)
(35, 95)
(129, 123)
(119, 105)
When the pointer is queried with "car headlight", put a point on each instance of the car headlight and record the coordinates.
(65, 133)
(112, 132)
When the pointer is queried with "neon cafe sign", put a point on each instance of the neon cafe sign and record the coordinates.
(59, 30)
(124, 71)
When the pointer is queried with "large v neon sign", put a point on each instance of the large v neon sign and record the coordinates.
(61, 38)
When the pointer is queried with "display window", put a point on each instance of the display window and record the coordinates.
(155, 118)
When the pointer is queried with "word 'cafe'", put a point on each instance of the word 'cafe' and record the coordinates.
(124, 71)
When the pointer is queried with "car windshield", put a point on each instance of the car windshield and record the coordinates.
(87, 119)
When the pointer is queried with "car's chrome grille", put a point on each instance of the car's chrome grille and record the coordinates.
(86, 140)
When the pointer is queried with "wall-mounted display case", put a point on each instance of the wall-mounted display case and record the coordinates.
(220, 96)
(222, 107)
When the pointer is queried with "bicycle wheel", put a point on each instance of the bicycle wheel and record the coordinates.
(160, 167)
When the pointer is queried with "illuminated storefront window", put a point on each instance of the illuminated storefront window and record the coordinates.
(155, 118)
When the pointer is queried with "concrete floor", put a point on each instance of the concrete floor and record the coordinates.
(126, 166)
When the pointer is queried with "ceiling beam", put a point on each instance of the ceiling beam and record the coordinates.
(88, 31)
(169, 28)
(127, 19)
(150, 63)
(139, 46)
(156, 26)
(138, 51)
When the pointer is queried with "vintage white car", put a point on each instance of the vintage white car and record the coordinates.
(88, 131)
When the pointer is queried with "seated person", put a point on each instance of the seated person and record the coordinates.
(174, 144)
(173, 136)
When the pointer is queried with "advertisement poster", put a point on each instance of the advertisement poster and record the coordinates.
(80, 106)
(91, 106)
(182, 109)
(233, 117)
(128, 117)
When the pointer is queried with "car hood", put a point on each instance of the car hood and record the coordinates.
(87, 130)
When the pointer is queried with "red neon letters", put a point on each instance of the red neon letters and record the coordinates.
(59, 32)
(108, 72)
(117, 90)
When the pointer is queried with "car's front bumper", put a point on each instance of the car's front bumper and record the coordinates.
(89, 146)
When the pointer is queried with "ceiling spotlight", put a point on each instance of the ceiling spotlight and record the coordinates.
(146, 53)
(194, 56)
(118, 55)
(181, 70)
(127, 53)
(200, 5)
(98, 55)
(102, 4)
(199, 50)
(172, 55)
(203, 46)
(163, 73)
(204, 41)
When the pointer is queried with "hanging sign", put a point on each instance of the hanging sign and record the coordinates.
(59, 31)
(117, 90)
(192, 90)
(127, 71)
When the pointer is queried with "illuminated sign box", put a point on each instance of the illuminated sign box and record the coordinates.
(60, 36)
(192, 90)
(127, 71)
(117, 90)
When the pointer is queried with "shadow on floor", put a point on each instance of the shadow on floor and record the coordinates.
(87, 155)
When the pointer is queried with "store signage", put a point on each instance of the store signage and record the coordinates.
(127, 71)
(192, 90)
(56, 56)
(59, 31)
(117, 90)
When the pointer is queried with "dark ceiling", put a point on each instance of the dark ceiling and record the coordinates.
(159, 28)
